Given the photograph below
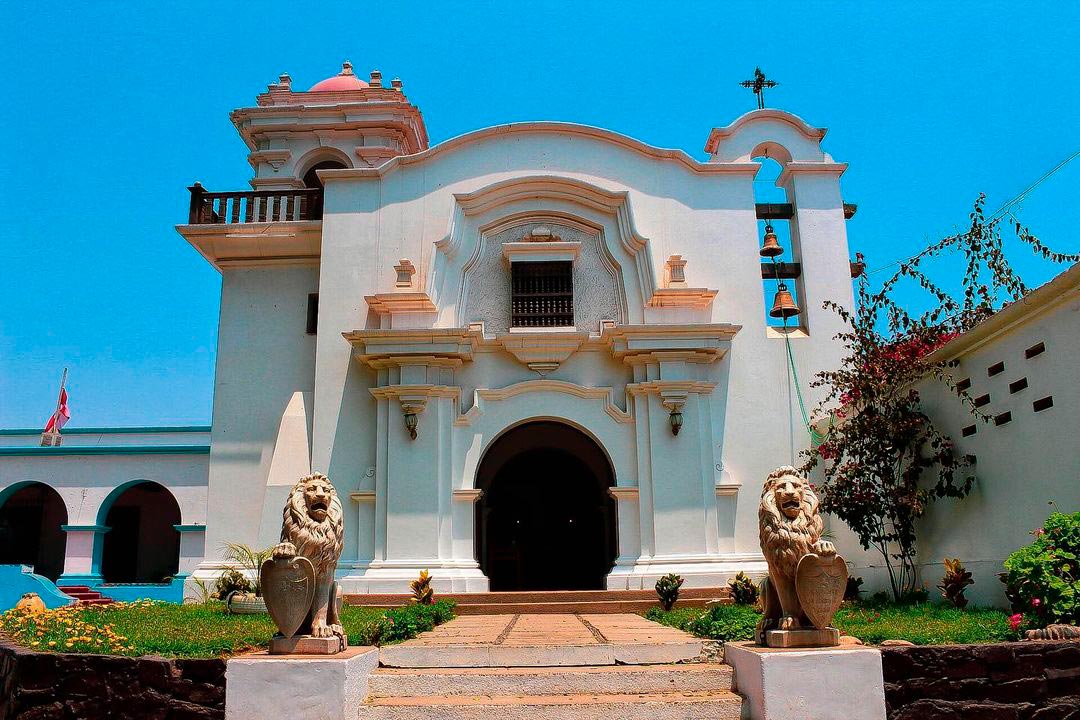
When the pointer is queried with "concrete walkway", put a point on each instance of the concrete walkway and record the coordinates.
(543, 640)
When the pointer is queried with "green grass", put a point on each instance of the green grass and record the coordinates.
(195, 631)
(922, 624)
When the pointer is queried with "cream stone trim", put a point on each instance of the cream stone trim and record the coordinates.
(807, 168)
(719, 134)
(400, 302)
(546, 127)
(482, 396)
(278, 242)
(623, 493)
(728, 490)
(695, 298)
(696, 342)
(443, 347)
(363, 497)
(542, 351)
(415, 393)
(672, 391)
(533, 251)
(467, 495)
(273, 158)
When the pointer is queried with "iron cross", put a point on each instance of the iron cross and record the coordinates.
(758, 85)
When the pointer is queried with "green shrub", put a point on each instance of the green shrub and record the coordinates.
(405, 623)
(922, 624)
(744, 591)
(422, 592)
(727, 623)
(955, 581)
(1042, 580)
(853, 588)
(232, 581)
(667, 589)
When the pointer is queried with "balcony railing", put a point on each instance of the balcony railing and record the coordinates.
(255, 206)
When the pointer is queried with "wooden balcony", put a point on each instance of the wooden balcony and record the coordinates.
(254, 206)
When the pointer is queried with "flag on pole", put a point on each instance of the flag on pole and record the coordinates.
(51, 436)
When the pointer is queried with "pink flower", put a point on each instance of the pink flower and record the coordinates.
(1015, 620)
(1039, 532)
(1035, 602)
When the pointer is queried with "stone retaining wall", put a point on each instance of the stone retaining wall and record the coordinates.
(1004, 681)
(66, 686)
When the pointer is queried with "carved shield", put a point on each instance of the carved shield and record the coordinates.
(820, 583)
(288, 587)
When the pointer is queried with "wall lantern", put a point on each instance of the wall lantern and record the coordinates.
(676, 421)
(410, 424)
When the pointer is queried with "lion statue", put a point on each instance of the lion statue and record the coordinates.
(312, 526)
(790, 527)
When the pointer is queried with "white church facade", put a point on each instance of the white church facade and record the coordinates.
(537, 356)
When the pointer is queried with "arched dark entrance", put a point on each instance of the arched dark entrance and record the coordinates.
(141, 546)
(545, 520)
(311, 180)
(30, 532)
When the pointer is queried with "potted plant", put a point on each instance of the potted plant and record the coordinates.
(240, 588)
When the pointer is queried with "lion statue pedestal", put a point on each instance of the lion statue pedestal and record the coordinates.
(298, 579)
(807, 578)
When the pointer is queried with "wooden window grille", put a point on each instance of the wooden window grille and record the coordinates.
(995, 369)
(1003, 418)
(542, 294)
(1036, 349)
(981, 400)
(969, 431)
(963, 385)
(1018, 385)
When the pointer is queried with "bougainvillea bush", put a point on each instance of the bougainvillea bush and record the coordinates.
(1042, 580)
(883, 462)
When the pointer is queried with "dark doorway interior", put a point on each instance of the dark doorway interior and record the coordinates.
(142, 545)
(545, 520)
(311, 180)
(30, 532)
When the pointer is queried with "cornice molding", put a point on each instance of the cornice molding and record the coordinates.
(677, 157)
(400, 302)
(694, 298)
(447, 347)
(804, 128)
(482, 396)
(567, 251)
(794, 168)
(256, 243)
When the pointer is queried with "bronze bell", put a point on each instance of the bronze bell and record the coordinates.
(783, 304)
(770, 248)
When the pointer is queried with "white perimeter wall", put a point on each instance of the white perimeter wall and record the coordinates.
(1025, 468)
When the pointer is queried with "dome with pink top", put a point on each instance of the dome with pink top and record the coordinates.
(344, 80)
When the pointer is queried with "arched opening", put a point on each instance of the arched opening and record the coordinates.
(784, 268)
(311, 180)
(311, 176)
(141, 546)
(545, 520)
(30, 529)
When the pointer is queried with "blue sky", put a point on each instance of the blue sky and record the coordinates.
(113, 109)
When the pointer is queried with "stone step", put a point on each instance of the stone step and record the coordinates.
(542, 597)
(625, 679)
(699, 705)
(602, 606)
(85, 596)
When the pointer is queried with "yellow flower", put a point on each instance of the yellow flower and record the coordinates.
(52, 643)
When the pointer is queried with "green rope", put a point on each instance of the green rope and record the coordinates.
(816, 438)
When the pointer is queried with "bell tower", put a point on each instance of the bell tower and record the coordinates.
(340, 122)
